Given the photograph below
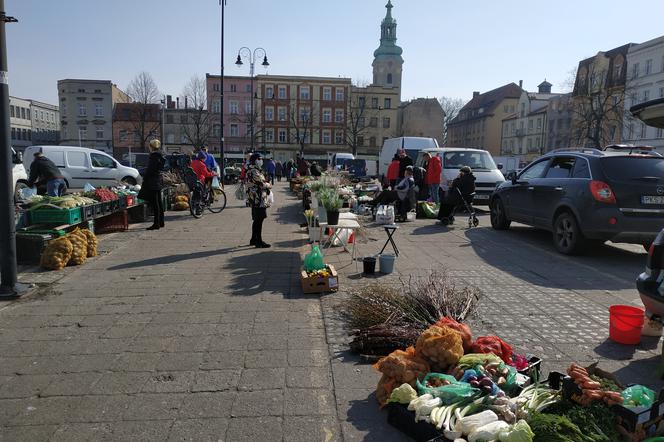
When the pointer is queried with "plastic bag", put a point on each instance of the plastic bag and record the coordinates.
(270, 198)
(453, 392)
(215, 183)
(510, 379)
(240, 192)
(495, 345)
(314, 260)
(28, 192)
(88, 187)
(638, 396)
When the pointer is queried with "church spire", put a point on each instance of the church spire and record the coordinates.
(388, 35)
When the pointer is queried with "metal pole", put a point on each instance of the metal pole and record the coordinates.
(8, 267)
(221, 99)
(251, 75)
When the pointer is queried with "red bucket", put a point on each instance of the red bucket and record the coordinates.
(625, 324)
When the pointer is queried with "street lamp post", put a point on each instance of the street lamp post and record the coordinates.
(247, 53)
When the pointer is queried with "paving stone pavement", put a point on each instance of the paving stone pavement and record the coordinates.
(188, 334)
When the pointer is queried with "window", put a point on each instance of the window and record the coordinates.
(374, 103)
(635, 70)
(23, 113)
(269, 135)
(617, 72)
(387, 103)
(534, 171)
(63, 108)
(247, 87)
(83, 133)
(327, 115)
(235, 130)
(170, 138)
(76, 159)
(340, 94)
(97, 91)
(11, 111)
(183, 119)
(216, 130)
(659, 132)
(327, 94)
(361, 122)
(511, 145)
(99, 132)
(123, 135)
(304, 114)
(646, 95)
(361, 102)
(247, 107)
(372, 142)
(648, 66)
(304, 93)
(13, 133)
(281, 113)
(99, 110)
(82, 110)
(339, 116)
(512, 128)
(530, 125)
(360, 141)
(327, 137)
(386, 123)
(282, 92)
(530, 143)
(81, 91)
(216, 107)
(339, 137)
(233, 87)
(539, 123)
(169, 119)
(661, 92)
(373, 122)
(27, 114)
(269, 92)
(233, 107)
(269, 113)
(389, 78)
(99, 160)
(523, 110)
(506, 108)
(215, 87)
(561, 167)
(41, 115)
(282, 135)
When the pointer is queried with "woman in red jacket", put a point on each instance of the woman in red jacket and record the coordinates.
(393, 172)
(202, 172)
(434, 170)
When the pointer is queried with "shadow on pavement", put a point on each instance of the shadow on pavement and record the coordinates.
(529, 254)
(170, 259)
(263, 271)
(643, 371)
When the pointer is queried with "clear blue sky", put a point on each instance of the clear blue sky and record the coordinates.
(450, 47)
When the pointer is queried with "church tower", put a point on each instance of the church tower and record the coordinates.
(387, 64)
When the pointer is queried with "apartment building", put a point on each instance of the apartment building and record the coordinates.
(134, 125)
(559, 122)
(45, 123)
(20, 122)
(421, 117)
(86, 112)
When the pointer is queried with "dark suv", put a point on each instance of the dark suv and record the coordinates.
(585, 196)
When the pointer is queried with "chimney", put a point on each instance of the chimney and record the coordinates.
(521, 84)
(177, 102)
(185, 102)
(476, 94)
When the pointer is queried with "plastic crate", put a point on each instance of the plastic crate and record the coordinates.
(122, 202)
(29, 246)
(56, 216)
(106, 208)
(90, 211)
(115, 222)
(138, 213)
(400, 418)
(131, 200)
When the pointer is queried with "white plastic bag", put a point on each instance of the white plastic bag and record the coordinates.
(88, 187)
(240, 192)
(385, 214)
(28, 192)
(270, 198)
(215, 183)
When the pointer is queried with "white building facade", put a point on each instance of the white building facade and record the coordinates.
(20, 122)
(645, 81)
(45, 123)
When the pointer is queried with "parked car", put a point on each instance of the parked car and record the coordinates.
(487, 174)
(586, 196)
(80, 165)
(19, 176)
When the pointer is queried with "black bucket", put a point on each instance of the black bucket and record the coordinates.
(369, 264)
(332, 218)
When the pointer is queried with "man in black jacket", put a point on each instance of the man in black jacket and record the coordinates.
(404, 161)
(465, 182)
(43, 169)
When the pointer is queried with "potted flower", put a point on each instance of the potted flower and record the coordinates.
(332, 204)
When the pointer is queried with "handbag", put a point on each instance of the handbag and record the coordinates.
(241, 192)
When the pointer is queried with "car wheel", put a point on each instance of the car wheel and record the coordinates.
(499, 219)
(129, 181)
(17, 191)
(567, 236)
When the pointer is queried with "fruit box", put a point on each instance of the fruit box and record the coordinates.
(319, 284)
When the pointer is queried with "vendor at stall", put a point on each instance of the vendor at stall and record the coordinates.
(399, 193)
(42, 169)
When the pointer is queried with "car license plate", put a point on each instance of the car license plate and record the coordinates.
(481, 197)
(651, 199)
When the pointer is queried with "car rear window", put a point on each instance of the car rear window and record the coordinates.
(633, 167)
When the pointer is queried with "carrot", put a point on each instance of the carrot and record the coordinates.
(592, 385)
(593, 394)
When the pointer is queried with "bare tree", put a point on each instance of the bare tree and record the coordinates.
(451, 107)
(358, 116)
(301, 121)
(598, 110)
(196, 126)
(145, 94)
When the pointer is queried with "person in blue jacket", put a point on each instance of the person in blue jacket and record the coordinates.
(271, 170)
(210, 162)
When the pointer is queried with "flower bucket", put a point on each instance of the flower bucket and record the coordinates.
(625, 324)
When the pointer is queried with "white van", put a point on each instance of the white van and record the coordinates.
(412, 145)
(339, 159)
(487, 175)
(19, 175)
(80, 165)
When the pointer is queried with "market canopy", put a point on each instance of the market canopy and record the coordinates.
(650, 112)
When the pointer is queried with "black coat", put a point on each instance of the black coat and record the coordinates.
(465, 183)
(43, 168)
(152, 175)
(403, 163)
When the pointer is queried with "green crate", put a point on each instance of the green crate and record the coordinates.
(56, 216)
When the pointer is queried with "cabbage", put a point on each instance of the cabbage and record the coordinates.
(403, 394)
(519, 432)
(489, 431)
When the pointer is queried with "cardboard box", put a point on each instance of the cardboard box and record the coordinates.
(315, 284)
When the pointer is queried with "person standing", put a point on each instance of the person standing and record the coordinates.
(258, 198)
(271, 170)
(210, 162)
(434, 171)
(46, 170)
(279, 170)
(404, 161)
(393, 171)
(152, 184)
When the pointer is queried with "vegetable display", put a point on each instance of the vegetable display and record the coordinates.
(104, 195)
(592, 390)
(57, 253)
(442, 345)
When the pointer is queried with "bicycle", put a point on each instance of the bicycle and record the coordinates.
(202, 197)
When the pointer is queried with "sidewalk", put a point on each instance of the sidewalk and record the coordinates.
(187, 333)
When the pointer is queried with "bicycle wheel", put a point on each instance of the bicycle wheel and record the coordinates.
(196, 204)
(217, 200)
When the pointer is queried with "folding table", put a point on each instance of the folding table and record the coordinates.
(390, 229)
